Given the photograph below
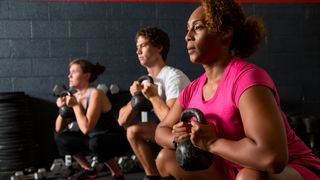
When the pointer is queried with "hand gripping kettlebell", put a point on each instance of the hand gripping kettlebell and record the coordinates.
(64, 110)
(191, 158)
(138, 101)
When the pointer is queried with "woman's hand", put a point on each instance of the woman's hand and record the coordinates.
(71, 101)
(180, 131)
(61, 101)
(203, 135)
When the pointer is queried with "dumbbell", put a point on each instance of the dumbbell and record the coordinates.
(112, 89)
(188, 157)
(129, 163)
(138, 101)
(60, 91)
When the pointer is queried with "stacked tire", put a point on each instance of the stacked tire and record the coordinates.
(16, 145)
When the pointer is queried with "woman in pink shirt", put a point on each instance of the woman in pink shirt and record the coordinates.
(247, 131)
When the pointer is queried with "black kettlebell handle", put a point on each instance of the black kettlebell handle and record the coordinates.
(65, 93)
(187, 114)
(69, 92)
(61, 90)
(145, 78)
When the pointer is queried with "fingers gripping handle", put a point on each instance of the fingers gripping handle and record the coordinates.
(191, 158)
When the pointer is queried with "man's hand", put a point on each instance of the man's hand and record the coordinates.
(135, 87)
(150, 90)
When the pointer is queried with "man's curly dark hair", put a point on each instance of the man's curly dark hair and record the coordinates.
(157, 37)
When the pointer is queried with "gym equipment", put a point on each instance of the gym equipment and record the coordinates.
(306, 127)
(60, 91)
(138, 101)
(17, 145)
(40, 174)
(129, 164)
(103, 87)
(60, 169)
(191, 158)
(96, 164)
(73, 126)
(66, 112)
(114, 89)
(17, 175)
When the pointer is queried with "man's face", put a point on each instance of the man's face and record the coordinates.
(147, 53)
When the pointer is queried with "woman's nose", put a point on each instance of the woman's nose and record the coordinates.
(188, 36)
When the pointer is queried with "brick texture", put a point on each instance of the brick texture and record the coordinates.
(39, 38)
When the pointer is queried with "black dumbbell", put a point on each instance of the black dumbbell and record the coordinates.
(138, 101)
(188, 157)
(64, 110)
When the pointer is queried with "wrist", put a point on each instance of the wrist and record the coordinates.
(76, 107)
(174, 143)
(212, 145)
(152, 98)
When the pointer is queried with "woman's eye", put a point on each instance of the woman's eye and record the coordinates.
(197, 27)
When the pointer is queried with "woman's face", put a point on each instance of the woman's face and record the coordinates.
(76, 76)
(203, 46)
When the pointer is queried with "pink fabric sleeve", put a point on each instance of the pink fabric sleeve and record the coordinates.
(251, 77)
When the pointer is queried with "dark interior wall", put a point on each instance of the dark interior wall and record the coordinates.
(38, 39)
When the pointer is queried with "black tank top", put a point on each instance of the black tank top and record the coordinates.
(106, 123)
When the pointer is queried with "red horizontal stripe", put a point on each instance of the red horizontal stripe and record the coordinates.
(241, 1)
(120, 0)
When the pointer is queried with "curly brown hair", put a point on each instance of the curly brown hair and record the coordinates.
(248, 32)
(87, 67)
(157, 37)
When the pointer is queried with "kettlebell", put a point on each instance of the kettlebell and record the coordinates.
(60, 91)
(138, 101)
(66, 112)
(188, 157)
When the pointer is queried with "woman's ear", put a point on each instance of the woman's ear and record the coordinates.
(226, 36)
(87, 75)
(227, 33)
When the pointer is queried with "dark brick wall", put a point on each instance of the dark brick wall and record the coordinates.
(38, 39)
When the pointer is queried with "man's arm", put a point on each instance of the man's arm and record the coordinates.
(126, 115)
(160, 107)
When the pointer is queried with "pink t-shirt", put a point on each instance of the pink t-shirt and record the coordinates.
(222, 109)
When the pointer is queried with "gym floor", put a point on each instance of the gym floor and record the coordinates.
(128, 176)
(106, 176)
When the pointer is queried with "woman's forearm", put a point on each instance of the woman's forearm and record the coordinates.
(248, 153)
